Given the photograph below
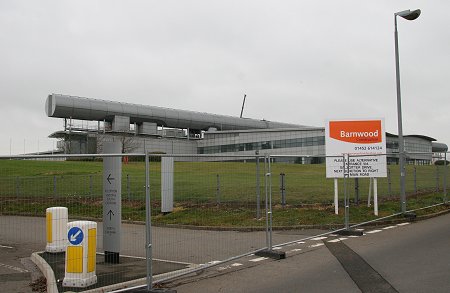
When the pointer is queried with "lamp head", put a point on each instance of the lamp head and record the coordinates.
(408, 14)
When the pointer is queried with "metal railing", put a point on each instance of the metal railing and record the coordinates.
(212, 197)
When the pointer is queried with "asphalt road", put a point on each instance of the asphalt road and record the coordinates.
(401, 258)
(405, 258)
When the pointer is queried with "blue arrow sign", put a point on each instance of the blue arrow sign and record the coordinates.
(75, 235)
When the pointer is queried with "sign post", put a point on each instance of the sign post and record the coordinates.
(112, 202)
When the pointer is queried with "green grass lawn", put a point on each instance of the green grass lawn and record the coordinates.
(28, 187)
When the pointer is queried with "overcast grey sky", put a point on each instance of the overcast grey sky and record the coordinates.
(298, 61)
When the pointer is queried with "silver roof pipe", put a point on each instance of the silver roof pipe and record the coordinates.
(63, 106)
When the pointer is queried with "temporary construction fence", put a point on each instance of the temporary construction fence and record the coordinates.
(198, 210)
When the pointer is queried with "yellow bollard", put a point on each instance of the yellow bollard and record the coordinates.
(81, 254)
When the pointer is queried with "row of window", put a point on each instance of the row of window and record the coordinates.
(417, 147)
(409, 147)
(264, 145)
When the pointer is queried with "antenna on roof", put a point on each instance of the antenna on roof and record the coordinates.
(243, 103)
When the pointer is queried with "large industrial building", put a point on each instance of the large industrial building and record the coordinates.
(140, 128)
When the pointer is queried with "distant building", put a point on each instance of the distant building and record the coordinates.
(90, 122)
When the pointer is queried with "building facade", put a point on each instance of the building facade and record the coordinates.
(158, 130)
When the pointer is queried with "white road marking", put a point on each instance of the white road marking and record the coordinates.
(315, 245)
(223, 268)
(301, 242)
(338, 239)
(373, 231)
(402, 224)
(334, 240)
(236, 264)
(353, 236)
(296, 249)
(258, 259)
(4, 246)
(13, 268)
(318, 238)
(276, 248)
(360, 229)
(389, 227)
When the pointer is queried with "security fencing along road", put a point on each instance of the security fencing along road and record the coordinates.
(193, 205)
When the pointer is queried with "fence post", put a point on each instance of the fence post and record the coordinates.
(218, 189)
(54, 186)
(415, 180)
(357, 191)
(148, 224)
(283, 189)
(86, 181)
(445, 177)
(90, 185)
(268, 202)
(346, 201)
(17, 187)
(389, 182)
(258, 188)
(270, 205)
(437, 178)
(128, 187)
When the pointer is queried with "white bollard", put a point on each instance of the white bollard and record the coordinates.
(56, 226)
(81, 254)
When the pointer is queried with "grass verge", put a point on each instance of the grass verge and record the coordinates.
(228, 215)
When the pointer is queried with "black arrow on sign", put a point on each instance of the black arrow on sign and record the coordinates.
(110, 213)
(109, 178)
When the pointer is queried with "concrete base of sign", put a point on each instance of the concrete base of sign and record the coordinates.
(411, 216)
(275, 254)
(350, 233)
(111, 257)
(79, 283)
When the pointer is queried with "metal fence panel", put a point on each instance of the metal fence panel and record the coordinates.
(223, 206)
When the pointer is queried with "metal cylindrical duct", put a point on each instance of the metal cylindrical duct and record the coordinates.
(64, 106)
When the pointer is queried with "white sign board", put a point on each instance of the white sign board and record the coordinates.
(363, 140)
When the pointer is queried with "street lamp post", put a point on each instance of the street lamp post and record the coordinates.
(409, 15)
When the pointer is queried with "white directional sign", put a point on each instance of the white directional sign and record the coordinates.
(112, 197)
